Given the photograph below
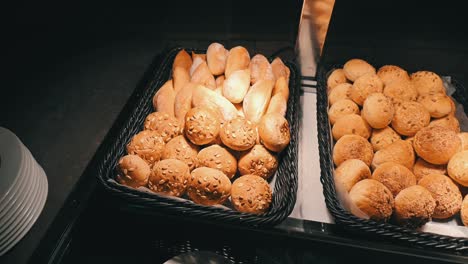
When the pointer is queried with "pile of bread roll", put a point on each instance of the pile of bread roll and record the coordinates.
(221, 118)
(399, 153)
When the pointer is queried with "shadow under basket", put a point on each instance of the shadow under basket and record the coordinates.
(348, 221)
(285, 178)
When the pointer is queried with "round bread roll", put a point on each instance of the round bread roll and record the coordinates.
(251, 194)
(438, 105)
(427, 82)
(410, 140)
(335, 78)
(352, 147)
(409, 118)
(341, 91)
(273, 131)
(147, 144)
(133, 171)
(422, 168)
(219, 158)
(394, 176)
(392, 73)
(436, 144)
(464, 140)
(464, 211)
(351, 124)
(381, 138)
(258, 161)
(238, 134)
(373, 199)
(446, 194)
(350, 172)
(167, 126)
(169, 177)
(238, 59)
(201, 125)
(457, 168)
(450, 122)
(400, 91)
(208, 186)
(341, 108)
(355, 68)
(364, 86)
(378, 110)
(414, 207)
(183, 150)
(400, 152)
(260, 69)
(216, 57)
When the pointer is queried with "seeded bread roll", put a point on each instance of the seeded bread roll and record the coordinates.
(355, 68)
(258, 161)
(148, 145)
(251, 194)
(352, 147)
(427, 82)
(163, 100)
(464, 140)
(181, 149)
(208, 186)
(438, 105)
(436, 144)
(414, 207)
(183, 102)
(170, 177)
(449, 122)
(278, 105)
(219, 158)
(373, 199)
(279, 69)
(464, 211)
(274, 132)
(133, 171)
(238, 134)
(281, 87)
(201, 125)
(341, 91)
(216, 57)
(409, 118)
(446, 194)
(167, 126)
(342, 108)
(257, 99)
(180, 77)
(400, 152)
(458, 168)
(260, 69)
(203, 76)
(394, 176)
(351, 124)
(336, 77)
(183, 60)
(410, 140)
(381, 138)
(238, 59)
(378, 110)
(422, 168)
(392, 73)
(364, 86)
(236, 86)
(350, 172)
(400, 91)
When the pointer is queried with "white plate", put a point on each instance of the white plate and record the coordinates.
(10, 161)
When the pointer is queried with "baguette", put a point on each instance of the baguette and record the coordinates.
(183, 102)
(238, 59)
(281, 87)
(183, 60)
(235, 86)
(257, 99)
(163, 100)
(197, 60)
(260, 69)
(279, 69)
(203, 76)
(203, 96)
(278, 105)
(216, 56)
(180, 77)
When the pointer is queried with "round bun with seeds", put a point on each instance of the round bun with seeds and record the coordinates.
(183, 150)
(219, 158)
(133, 171)
(238, 134)
(208, 186)
(392, 73)
(169, 177)
(365, 86)
(352, 147)
(251, 194)
(258, 161)
(167, 126)
(446, 194)
(341, 108)
(414, 207)
(147, 144)
(436, 144)
(355, 68)
(427, 82)
(409, 118)
(201, 125)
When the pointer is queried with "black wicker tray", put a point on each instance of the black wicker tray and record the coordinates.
(360, 226)
(286, 177)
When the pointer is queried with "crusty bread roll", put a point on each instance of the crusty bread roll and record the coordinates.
(203, 96)
(409, 118)
(238, 59)
(219, 158)
(163, 100)
(378, 110)
(364, 86)
(464, 211)
(236, 86)
(281, 87)
(336, 77)
(216, 57)
(438, 105)
(201, 125)
(279, 69)
(260, 69)
(373, 199)
(133, 171)
(197, 60)
(351, 124)
(464, 140)
(457, 168)
(446, 194)
(400, 91)
(342, 108)
(183, 150)
(427, 82)
(238, 134)
(436, 144)
(183, 60)
(208, 186)
(278, 105)
(450, 122)
(414, 207)
(274, 133)
(392, 73)
(258, 161)
(251, 194)
(381, 138)
(394, 176)
(183, 102)
(257, 99)
(203, 76)
(180, 77)
(400, 152)
(352, 147)
(167, 126)
(341, 91)
(169, 176)
(350, 172)
(422, 168)
(148, 145)
(355, 68)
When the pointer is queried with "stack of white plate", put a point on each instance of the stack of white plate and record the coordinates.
(23, 190)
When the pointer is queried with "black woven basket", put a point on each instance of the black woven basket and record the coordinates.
(363, 226)
(286, 177)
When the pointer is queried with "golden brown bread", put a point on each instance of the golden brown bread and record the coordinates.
(180, 77)
(183, 60)
(378, 110)
(350, 172)
(278, 105)
(260, 69)
(409, 118)
(351, 124)
(257, 100)
(170, 177)
(414, 207)
(258, 161)
(219, 82)
(381, 138)
(373, 199)
(183, 150)
(274, 133)
(352, 147)
(394, 176)
(281, 87)
(203, 76)
(446, 194)
(336, 77)
(216, 57)
(219, 158)
(183, 102)
(464, 140)
(400, 152)
(251, 194)
(400, 91)
(341, 91)
(163, 100)
(279, 69)
(165, 125)
(238, 134)
(464, 211)
(201, 125)
(364, 86)
(438, 105)
(197, 60)
(341, 108)
(436, 144)
(238, 59)
(205, 97)
(422, 168)
(208, 186)
(133, 171)
(427, 82)
(355, 68)
(148, 145)
(457, 168)
(236, 86)
(450, 122)
(392, 73)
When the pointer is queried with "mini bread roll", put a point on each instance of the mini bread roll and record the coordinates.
(352, 147)
(350, 172)
(258, 161)
(400, 152)
(197, 60)
(436, 144)
(409, 118)
(257, 100)
(336, 77)
(274, 133)
(392, 73)
(394, 176)
(165, 125)
(414, 207)
(281, 87)
(183, 102)
(220, 82)
(208, 186)
(205, 97)
(278, 105)
(163, 99)
(203, 76)
(400, 91)
(169, 177)
(422, 168)
(180, 77)
(381, 138)
(458, 168)
(238, 59)
(464, 211)
(355, 68)
(364, 86)
(373, 199)
(341, 91)
(133, 171)
(216, 57)
(148, 145)
(236, 86)
(279, 69)
(464, 140)
(182, 60)
(341, 108)
(351, 124)
(438, 105)
(410, 140)
(201, 125)
(449, 122)
(238, 134)
(446, 194)
(260, 69)
(181, 149)
(427, 82)
(251, 194)
(219, 158)
(378, 110)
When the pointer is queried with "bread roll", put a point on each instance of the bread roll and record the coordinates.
(381, 138)
(257, 100)
(208, 186)
(414, 207)
(258, 161)
(183, 102)
(394, 176)
(458, 168)
(449, 122)
(216, 57)
(197, 60)
(165, 125)
(341, 108)
(236, 86)
(392, 73)
(260, 69)
(427, 82)
(409, 118)
(281, 87)
(148, 145)
(238, 59)
(464, 140)
(378, 110)
(438, 105)
(169, 177)
(436, 144)
(351, 124)
(400, 152)
(422, 168)
(133, 171)
(364, 86)
(341, 91)
(203, 76)
(355, 68)
(278, 105)
(219, 158)
(336, 77)
(219, 82)
(183, 150)
(350, 172)
(352, 147)
(400, 91)
(238, 134)
(446, 194)
(183, 60)
(251, 194)
(279, 69)
(180, 77)
(274, 133)
(203, 96)
(201, 125)
(464, 211)
(163, 100)
(373, 199)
